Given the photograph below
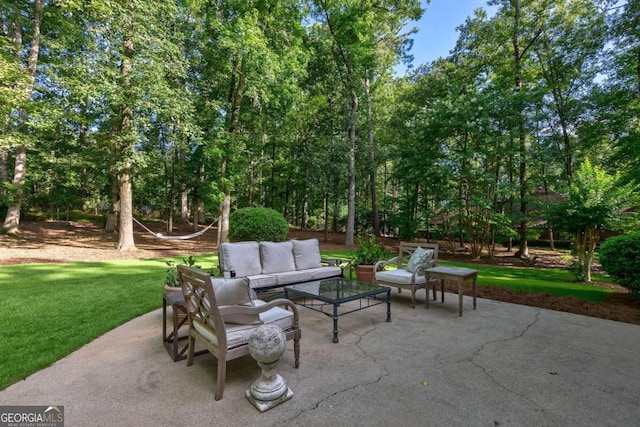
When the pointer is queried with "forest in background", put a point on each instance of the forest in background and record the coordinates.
(189, 109)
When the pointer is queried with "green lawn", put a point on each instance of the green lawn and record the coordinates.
(555, 281)
(531, 279)
(49, 310)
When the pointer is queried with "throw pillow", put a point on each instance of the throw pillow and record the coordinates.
(418, 258)
(235, 292)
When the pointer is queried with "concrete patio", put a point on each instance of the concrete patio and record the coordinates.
(500, 365)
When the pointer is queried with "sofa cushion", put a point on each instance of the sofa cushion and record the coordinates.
(291, 277)
(277, 257)
(306, 253)
(235, 292)
(324, 272)
(262, 281)
(241, 257)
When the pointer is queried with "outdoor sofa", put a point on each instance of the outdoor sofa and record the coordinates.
(270, 265)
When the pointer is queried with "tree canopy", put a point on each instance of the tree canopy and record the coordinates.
(188, 110)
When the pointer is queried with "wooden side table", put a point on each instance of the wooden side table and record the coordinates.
(455, 274)
(172, 339)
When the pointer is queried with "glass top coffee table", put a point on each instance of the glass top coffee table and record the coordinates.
(335, 292)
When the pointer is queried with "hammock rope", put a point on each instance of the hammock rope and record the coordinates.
(185, 237)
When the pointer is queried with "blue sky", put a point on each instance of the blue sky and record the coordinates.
(437, 33)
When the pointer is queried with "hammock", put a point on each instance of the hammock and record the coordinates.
(185, 237)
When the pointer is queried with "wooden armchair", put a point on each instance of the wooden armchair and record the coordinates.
(223, 314)
(411, 263)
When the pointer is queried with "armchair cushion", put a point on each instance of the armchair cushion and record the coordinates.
(418, 258)
(306, 254)
(399, 277)
(240, 333)
(277, 257)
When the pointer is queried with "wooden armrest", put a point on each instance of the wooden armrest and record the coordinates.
(382, 263)
(336, 262)
(432, 263)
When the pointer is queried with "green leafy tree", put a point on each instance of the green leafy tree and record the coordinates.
(567, 53)
(24, 20)
(593, 201)
(249, 58)
(354, 27)
(614, 128)
(134, 49)
(13, 96)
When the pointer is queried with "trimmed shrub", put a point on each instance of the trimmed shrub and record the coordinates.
(620, 258)
(260, 224)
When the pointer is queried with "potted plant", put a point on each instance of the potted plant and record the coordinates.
(365, 256)
(172, 279)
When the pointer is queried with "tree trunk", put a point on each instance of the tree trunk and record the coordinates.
(326, 218)
(234, 102)
(126, 242)
(394, 202)
(552, 245)
(184, 197)
(351, 213)
(111, 224)
(12, 218)
(523, 251)
(172, 191)
(223, 221)
(84, 194)
(195, 205)
(585, 242)
(372, 166)
(4, 174)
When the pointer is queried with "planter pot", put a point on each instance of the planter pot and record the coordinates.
(181, 315)
(364, 273)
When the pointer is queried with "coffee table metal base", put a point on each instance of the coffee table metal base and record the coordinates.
(308, 297)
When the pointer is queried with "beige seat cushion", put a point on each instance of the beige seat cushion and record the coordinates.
(399, 276)
(324, 272)
(239, 334)
(262, 281)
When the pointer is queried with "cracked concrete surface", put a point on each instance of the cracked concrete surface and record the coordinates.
(499, 365)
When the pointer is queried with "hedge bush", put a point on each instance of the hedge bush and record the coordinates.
(260, 224)
(620, 258)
